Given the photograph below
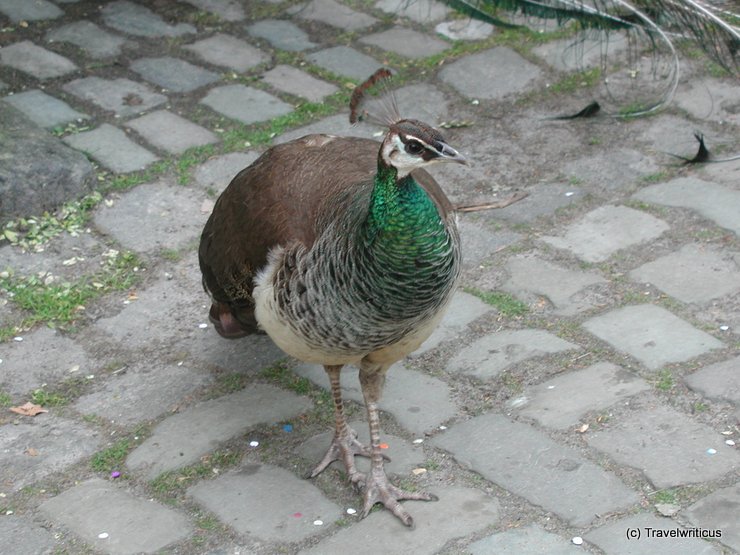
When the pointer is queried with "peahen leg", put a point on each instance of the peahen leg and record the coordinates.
(378, 488)
(344, 446)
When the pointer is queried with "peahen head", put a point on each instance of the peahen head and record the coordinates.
(411, 144)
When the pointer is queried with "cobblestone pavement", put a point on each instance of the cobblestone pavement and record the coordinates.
(583, 388)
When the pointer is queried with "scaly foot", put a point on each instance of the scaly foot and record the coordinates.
(344, 448)
(380, 490)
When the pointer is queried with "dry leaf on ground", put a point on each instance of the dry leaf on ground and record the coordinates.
(29, 409)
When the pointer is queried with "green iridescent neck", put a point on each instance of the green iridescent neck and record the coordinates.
(403, 224)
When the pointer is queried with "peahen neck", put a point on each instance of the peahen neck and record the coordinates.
(404, 234)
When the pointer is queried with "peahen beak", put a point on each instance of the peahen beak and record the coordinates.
(449, 154)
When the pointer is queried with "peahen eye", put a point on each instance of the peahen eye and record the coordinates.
(414, 147)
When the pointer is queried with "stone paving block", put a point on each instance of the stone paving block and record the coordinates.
(171, 215)
(651, 334)
(43, 109)
(95, 41)
(562, 401)
(718, 511)
(37, 62)
(281, 34)
(491, 74)
(333, 125)
(38, 172)
(228, 51)
(112, 148)
(419, 402)
(147, 323)
(490, 355)
(421, 11)
(694, 274)
(530, 275)
(44, 356)
(122, 96)
(58, 443)
(27, 537)
(479, 242)
(465, 29)
(173, 74)
(134, 19)
(217, 172)
(171, 132)
(294, 81)
(528, 463)
(543, 200)
(581, 52)
(459, 512)
(23, 10)
(463, 309)
(612, 538)
(183, 438)
(530, 540)
(434, 110)
(668, 446)
(249, 355)
(344, 60)
(726, 173)
(718, 381)
(132, 525)
(141, 393)
(715, 202)
(618, 169)
(245, 104)
(281, 495)
(670, 133)
(334, 14)
(406, 42)
(712, 99)
(404, 455)
(228, 10)
(606, 230)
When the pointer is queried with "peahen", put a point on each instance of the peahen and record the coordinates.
(345, 251)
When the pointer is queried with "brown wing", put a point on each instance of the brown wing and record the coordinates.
(277, 201)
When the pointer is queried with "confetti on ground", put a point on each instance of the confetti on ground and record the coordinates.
(383, 446)
(297, 515)
(287, 427)
(418, 441)
(711, 451)
(103, 535)
(318, 522)
(578, 540)
(724, 328)
(443, 427)
(569, 194)
(582, 429)
(351, 511)
(729, 442)
(727, 433)
(202, 326)
(417, 471)
(18, 338)
(254, 443)
(115, 474)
